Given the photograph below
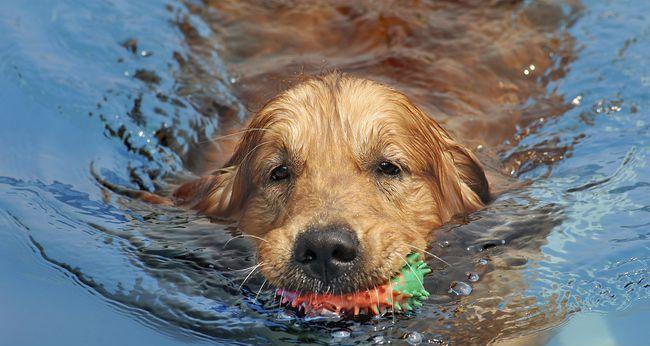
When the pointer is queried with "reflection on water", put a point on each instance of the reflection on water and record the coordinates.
(554, 92)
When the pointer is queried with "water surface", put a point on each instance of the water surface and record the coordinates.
(138, 89)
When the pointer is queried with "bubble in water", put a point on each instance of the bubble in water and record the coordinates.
(444, 243)
(483, 261)
(341, 333)
(379, 340)
(460, 288)
(472, 277)
(414, 338)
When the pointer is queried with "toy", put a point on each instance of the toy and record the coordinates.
(402, 293)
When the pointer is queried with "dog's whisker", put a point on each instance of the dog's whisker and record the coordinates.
(244, 269)
(430, 254)
(250, 274)
(392, 300)
(217, 138)
(253, 149)
(248, 268)
(260, 290)
(377, 294)
(410, 267)
(244, 236)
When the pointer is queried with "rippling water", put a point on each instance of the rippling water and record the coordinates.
(138, 89)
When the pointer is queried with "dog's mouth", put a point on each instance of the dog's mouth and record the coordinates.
(354, 279)
(401, 293)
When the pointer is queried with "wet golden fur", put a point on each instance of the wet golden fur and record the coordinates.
(332, 132)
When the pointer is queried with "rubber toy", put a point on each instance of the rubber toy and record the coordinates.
(404, 292)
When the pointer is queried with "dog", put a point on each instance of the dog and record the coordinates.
(338, 179)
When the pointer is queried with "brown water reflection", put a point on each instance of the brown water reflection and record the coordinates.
(471, 64)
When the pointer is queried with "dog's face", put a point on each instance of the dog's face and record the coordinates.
(339, 179)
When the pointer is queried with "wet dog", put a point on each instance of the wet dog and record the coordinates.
(338, 179)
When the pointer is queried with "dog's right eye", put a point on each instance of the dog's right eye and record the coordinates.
(280, 173)
(388, 168)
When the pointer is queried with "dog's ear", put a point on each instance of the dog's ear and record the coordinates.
(456, 176)
(222, 193)
(214, 195)
(470, 171)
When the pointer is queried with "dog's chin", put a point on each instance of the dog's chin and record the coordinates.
(353, 282)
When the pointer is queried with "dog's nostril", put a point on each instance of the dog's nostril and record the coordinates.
(344, 253)
(306, 257)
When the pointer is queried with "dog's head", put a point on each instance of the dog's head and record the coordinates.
(340, 178)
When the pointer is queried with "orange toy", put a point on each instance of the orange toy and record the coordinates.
(402, 293)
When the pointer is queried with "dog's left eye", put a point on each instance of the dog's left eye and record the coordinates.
(280, 173)
(388, 168)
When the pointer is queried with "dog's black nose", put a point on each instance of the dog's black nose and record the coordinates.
(325, 254)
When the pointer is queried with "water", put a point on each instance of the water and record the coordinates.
(460, 288)
(139, 88)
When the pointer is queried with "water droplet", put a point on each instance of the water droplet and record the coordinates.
(233, 80)
(145, 53)
(526, 72)
(341, 333)
(284, 316)
(460, 288)
(576, 100)
(472, 277)
(414, 338)
(438, 340)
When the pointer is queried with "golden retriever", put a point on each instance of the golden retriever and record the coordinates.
(338, 179)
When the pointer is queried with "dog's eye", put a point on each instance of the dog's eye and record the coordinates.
(388, 168)
(280, 173)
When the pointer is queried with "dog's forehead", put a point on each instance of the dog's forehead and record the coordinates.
(338, 117)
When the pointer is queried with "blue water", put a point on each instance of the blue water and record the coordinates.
(81, 266)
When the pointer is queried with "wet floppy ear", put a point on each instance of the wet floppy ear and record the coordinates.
(222, 193)
(456, 176)
(470, 171)
(214, 195)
